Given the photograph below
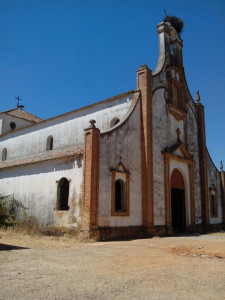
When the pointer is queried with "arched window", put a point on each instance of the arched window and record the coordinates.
(120, 191)
(175, 95)
(4, 154)
(49, 145)
(114, 122)
(120, 203)
(213, 205)
(213, 201)
(63, 194)
(177, 99)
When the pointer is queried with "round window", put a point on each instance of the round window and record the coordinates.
(12, 125)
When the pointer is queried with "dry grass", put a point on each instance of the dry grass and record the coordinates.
(28, 230)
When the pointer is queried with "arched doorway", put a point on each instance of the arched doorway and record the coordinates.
(177, 201)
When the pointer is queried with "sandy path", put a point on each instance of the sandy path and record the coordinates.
(157, 268)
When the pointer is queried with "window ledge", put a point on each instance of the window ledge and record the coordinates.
(120, 214)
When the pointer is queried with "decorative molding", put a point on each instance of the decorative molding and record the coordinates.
(178, 158)
(176, 112)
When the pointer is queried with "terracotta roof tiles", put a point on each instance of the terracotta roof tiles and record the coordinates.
(74, 153)
(22, 114)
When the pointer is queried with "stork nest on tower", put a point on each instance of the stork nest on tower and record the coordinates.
(177, 23)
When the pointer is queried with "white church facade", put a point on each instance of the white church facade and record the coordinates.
(132, 165)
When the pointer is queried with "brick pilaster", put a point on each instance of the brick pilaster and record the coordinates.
(203, 165)
(144, 84)
(222, 173)
(91, 177)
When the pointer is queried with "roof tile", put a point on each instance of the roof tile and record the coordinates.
(22, 114)
(44, 158)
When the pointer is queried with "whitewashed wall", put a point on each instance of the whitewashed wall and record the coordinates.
(160, 141)
(5, 121)
(67, 131)
(192, 147)
(36, 188)
(124, 142)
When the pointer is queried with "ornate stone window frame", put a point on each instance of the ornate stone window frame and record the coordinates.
(213, 192)
(120, 172)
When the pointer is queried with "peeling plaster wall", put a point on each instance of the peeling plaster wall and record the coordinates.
(124, 142)
(160, 141)
(67, 131)
(164, 134)
(35, 186)
(214, 177)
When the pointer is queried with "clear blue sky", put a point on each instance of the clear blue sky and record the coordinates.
(59, 55)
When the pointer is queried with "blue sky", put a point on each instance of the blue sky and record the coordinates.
(59, 55)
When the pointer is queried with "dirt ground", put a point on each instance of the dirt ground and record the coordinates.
(185, 267)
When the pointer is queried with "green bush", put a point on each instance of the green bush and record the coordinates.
(9, 208)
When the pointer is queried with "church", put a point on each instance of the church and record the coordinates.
(133, 165)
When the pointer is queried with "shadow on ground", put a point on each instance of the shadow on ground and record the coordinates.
(6, 247)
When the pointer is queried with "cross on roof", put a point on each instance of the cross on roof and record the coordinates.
(18, 102)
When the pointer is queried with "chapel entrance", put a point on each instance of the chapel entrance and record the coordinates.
(177, 201)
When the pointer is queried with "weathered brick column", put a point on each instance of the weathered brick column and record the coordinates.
(144, 84)
(202, 162)
(91, 177)
(222, 174)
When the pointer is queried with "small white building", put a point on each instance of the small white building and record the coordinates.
(132, 165)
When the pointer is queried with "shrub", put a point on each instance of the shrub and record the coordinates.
(9, 208)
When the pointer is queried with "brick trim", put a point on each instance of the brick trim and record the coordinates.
(203, 164)
(144, 83)
(91, 178)
(223, 194)
(127, 194)
(167, 187)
